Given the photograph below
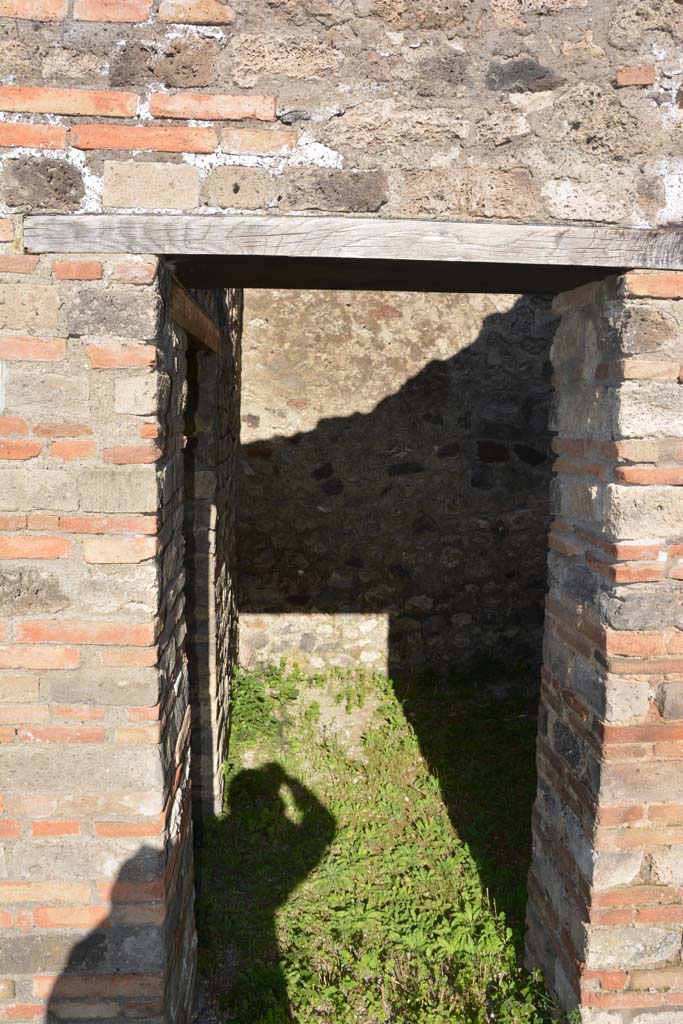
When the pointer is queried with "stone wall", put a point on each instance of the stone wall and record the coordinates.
(605, 911)
(96, 881)
(396, 470)
(212, 438)
(522, 109)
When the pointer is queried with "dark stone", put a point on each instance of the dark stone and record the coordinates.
(568, 746)
(523, 74)
(293, 116)
(491, 451)
(188, 63)
(447, 451)
(47, 184)
(336, 191)
(307, 642)
(441, 73)
(322, 472)
(482, 478)
(30, 590)
(423, 524)
(532, 456)
(405, 468)
(132, 64)
(434, 625)
(260, 450)
(332, 486)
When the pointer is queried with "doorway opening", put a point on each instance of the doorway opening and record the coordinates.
(390, 516)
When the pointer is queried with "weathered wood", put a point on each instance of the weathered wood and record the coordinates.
(192, 318)
(358, 238)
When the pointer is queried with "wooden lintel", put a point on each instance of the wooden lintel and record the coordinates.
(191, 317)
(358, 238)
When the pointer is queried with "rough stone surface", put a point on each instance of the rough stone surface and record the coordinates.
(395, 477)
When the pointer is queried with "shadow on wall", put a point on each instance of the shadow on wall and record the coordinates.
(430, 510)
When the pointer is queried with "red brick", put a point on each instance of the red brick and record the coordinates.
(13, 425)
(144, 714)
(119, 550)
(93, 985)
(666, 284)
(141, 734)
(38, 136)
(144, 138)
(44, 892)
(6, 919)
(656, 915)
(78, 712)
(83, 102)
(130, 892)
(131, 454)
(49, 631)
(258, 140)
(77, 270)
(72, 450)
(27, 349)
(612, 981)
(70, 917)
(42, 521)
(626, 573)
(109, 524)
(202, 106)
(644, 75)
(12, 522)
(112, 10)
(130, 829)
(35, 10)
(7, 735)
(150, 431)
(62, 430)
(666, 814)
(34, 547)
(55, 828)
(134, 272)
(623, 1000)
(62, 734)
(20, 450)
(114, 356)
(22, 1011)
(649, 475)
(634, 645)
(17, 263)
(10, 828)
(24, 714)
(39, 657)
(6, 229)
(124, 657)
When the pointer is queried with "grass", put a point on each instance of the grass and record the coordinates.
(373, 888)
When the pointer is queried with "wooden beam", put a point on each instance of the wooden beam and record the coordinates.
(192, 318)
(358, 238)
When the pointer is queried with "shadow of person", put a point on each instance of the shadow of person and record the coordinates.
(430, 509)
(275, 831)
(119, 967)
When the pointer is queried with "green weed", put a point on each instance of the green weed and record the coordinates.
(336, 889)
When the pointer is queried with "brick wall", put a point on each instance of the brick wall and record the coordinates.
(506, 109)
(605, 913)
(95, 825)
(212, 431)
